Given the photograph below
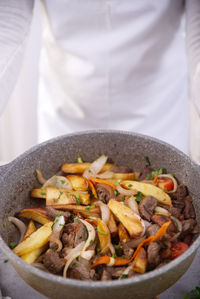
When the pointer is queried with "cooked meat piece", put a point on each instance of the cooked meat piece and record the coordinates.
(52, 262)
(147, 206)
(68, 236)
(51, 213)
(189, 211)
(81, 234)
(188, 226)
(173, 195)
(106, 275)
(116, 272)
(81, 270)
(144, 172)
(104, 192)
(153, 254)
(181, 192)
(196, 229)
(152, 230)
(188, 239)
(121, 169)
(128, 252)
(161, 219)
(176, 212)
(178, 204)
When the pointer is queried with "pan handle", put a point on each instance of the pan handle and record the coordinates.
(3, 170)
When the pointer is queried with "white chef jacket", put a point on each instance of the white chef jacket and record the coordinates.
(112, 64)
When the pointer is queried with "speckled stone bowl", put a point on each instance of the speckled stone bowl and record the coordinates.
(18, 178)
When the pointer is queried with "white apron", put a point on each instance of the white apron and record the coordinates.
(113, 64)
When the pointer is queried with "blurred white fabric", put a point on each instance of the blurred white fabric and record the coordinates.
(70, 70)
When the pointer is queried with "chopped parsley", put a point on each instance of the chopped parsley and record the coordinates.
(116, 192)
(98, 249)
(5, 261)
(114, 255)
(62, 181)
(43, 192)
(148, 163)
(74, 264)
(77, 196)
(59, 195)
(59, 214)
(101, 231)
(151, 176)
(84, 234)
(123, 276)
(52, 226)
(89, 207)
(195, 294)
(90, 171)
(122, 198)
(12, 244)
(4, 225)
(64, 159)
(76, 220)
(91, 242)
(118, 246)
(61, 224)
(130, 185)
(138, 197)
(79, 160)
(78, 258)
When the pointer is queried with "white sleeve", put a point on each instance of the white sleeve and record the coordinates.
(15, 20)
(193, 51)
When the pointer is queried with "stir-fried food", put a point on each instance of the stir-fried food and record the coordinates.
(103, 222)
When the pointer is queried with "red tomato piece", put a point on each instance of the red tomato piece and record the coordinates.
(166, 184)
(177, 249)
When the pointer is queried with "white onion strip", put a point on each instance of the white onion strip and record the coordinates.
(123, 191)
(40, 177)
(105, 211)
(88, 254)
(20, 225)
(58, 181)
(162, 211)
(71, 256)
(95, 167)
(105, 175)
(91, 234)
(126, 271)
(171, 178)
(179, 227)
(132, 204)
(59, 222)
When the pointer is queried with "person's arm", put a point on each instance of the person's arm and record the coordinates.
(193, 52)
(15, 20)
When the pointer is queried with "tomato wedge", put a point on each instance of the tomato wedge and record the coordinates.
(165, 184)
(177, 249)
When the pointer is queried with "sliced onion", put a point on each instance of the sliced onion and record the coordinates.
(109, 245)
(57, 241)
(59, 222)
(105, 175)
(91, 234)
(72, 255)
(88, 254)
(132, 204)
(40, 177)
(19, 224)
(123, 191)
(171, 178)
(58, 181)
(162, 211)
(95, 167)
(146, 223)
(135, 242)
(126, 271)
(177, 223)
(111, 263)
(105, 211)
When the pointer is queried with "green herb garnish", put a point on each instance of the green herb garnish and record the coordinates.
(90, 171)
(138, 197)
(118, 246)
(101, 231)
(12, 244)
(123, 276)
(78, 258)
(77, 196)
(62, 181)
(114, 255)
(98, 249)
(116, 192)
(5, 261)
(4, 225)
(74, 264)
(91, 242)
(148, 163)
(122, 198)
(61, 224)
(90, 207)
(130, 185)
(43, 192)
(64, 159)
(76, 220)
(79, 160)
(59, 195)
(59, 214)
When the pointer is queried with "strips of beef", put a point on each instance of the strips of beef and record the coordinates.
(147, 206)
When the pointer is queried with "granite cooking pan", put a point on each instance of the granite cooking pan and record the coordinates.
(18, 178)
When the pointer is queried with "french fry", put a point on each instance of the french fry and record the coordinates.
(127, 217)
(81, 167)
(140, 261)
(31, 228)
(148, 189)
(38, 193)
(104, 237)
(91, 212)
(32, 256)
(36, 240)
(123, 235)
(112, 225)
(78, 182)
(36, 214)
(123, 176)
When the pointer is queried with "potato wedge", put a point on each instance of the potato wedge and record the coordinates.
(104, 236)
(36, 240)
(58, 196)
(123, 235)
(81, 167)
(93, 212)
(140, 261)
(78, 182)
(112, 225)
(148, 189)
(32, 256)
(123, 176)
(31, 228)
(36, 214)
(38, 193)
(127, 217)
